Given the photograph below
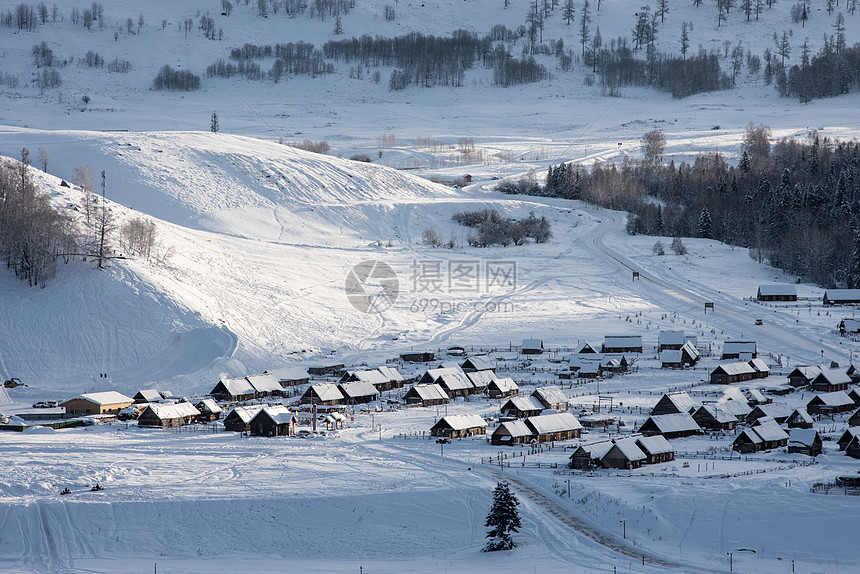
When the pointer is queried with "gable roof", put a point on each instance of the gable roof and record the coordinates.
(735, 407)
(802, 437)
(438, 372)
(652, 445)
(773, 410)
(278, 413)
(682, 401)
(756, 395)
(550, 395)
(355, 389)
(719, 414)
(455, 381)
(737, 347)
(674, 422)
(479, 363)
(759, 365)
(149, 395)
(481, 379)
(800, 415)
(558, 422)
(391, 374)
(529, 403)
(429, 392)
(245, 413)
(739, 368)
(842, 294)
(371, 376)
(834, 399)
(166, 411)
(210, 406)
(622, 341)
(264, 383)
(505, 384)
(461, 422)
(238, 386)
(833, 376)
(326, 391)
(671, 338)
(770, 431)
(515, 428)
(629, 448)
(105, 398)
(532, 344)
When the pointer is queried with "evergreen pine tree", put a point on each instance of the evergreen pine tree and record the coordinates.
(503, 519)
(854, 271)
(745, 164)
(705, 223)
(214, 123)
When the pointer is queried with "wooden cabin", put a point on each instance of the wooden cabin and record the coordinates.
(239, 418)
(656, 448)
(672, 403)
(426, 395)
(777, 293)
(729, 373)
(358, 392)
(147, 396)
(802, 376)
(274, 421)
(714, 417)
(799, 419)
(323, 394)
(766, 436)
(502, 388)
(522, 407)
(478, 363)
(554, 427)
(167, 415)
(551, 397)
(777, 412)
(622, 344)
(829, 403)
(234, 390)
(532, 347)
(459, 426)
(290, 376)
(841, 297)
(209, 410)
(670, 426)
(805, 441)
(624, 454)
(831, 380)
(740, 350)
(512, 432)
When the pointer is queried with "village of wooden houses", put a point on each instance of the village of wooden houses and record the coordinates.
(627, 403)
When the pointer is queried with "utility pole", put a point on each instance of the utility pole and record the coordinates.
(103, 225)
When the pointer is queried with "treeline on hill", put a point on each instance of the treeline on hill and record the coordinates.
(835, 70)
(33, 235)
(795, 204)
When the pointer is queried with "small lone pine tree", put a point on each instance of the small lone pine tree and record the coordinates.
(502, 519)
(214, 123)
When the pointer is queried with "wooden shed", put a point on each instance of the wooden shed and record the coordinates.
(589, 456)
(624, 453)
(656, 448)
(147, 396)
(522, 407)
(713, 417)
(741, 350)
(622, 344)
(805, 441)
(799, 419)
(459, 426)
(831, 380)
(477, 363)
(829, 403)
(532, 347)
(291, 376)
(502, 388)
(729, 373)
(209, 410)
(239, 418)
(358, 392)
(677, 402)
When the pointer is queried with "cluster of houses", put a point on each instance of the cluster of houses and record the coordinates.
(783, 292)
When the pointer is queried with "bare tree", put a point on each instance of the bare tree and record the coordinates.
(653, 145)
(44, 158)
(757, 141)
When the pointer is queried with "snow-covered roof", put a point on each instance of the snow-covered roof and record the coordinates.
(238, 386)
(622, 341)
(211, 406)
(436, 373)
(462, 422)
(802, 437)
(545, 424)
(834, 376)
(515, 428)
(759, 365)
(629, 448)
(597, 450)
(481, 378)
(290, 373)
(371, 376)
(675, 422)
(834, 399)
(245, 413)
(532, 344)
(455, 381)
(671, 338)
(264, 383)
(656, 444)
(770, 431)
(774, 410)
(550, 395)
(430, 392)
(149, 395)
(326, 391)
(809, 371)
(106, 398)
(390, 373)
(719, 414)
(737, 347)
(777, 290)
(166, 411)
(735, 407)
(278, 413)
(355, 389)
(682, 401)
(523, 404)
(801, 415)
(843, 294)
(851, 325)
(751, 435)
(479, 363)
(671, 356)
(756, 396)
(739, 368)
(505, 384)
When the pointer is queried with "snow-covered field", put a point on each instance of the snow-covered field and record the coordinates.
(256, 240)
